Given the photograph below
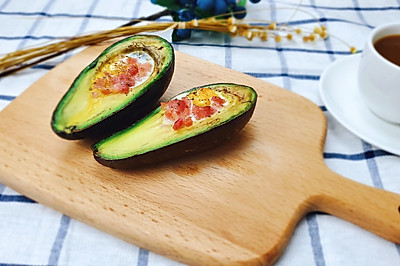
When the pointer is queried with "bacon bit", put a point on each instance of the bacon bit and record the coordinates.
(121, 87)
(132, 61)
(180, 112)
(176, 109)
(106, 91)
(188, 102)
(187, 122)
(217, 102)
(203, 112)
(145, 67)
(178, 124)
(133, 70)
(100, 83)
(182, 122)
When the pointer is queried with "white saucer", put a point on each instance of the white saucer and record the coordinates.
(339, 91)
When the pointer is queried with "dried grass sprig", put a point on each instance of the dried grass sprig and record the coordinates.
(28, 57)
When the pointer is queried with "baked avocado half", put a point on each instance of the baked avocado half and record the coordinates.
(193, 121)
(120, 86)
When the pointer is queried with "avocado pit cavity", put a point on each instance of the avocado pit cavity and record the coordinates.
(197, 105)
(122, 74)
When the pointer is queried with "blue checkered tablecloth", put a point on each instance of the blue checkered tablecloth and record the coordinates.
(32, 234)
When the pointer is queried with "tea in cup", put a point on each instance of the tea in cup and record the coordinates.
(379, 72)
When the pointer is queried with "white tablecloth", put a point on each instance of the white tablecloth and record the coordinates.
(32, 234)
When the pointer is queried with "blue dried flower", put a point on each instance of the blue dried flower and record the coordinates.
(186, 10)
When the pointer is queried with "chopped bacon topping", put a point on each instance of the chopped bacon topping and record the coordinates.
(203, 112)
(127, 72)
(182, 122)
(217, 102)
(182, 112)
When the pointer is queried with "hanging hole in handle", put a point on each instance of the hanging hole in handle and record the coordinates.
(398, 209)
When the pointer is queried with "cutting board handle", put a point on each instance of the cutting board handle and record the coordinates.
(373, 209)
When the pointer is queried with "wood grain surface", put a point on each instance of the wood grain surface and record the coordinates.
(236, 204)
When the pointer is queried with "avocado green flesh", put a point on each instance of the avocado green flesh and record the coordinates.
(79, 110)
(154, 132)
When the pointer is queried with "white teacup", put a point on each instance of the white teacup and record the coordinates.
(378, 78)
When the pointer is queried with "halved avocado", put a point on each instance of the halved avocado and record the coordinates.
(120, 86)
(153, 139)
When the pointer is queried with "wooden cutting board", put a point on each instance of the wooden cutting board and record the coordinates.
(236, 204)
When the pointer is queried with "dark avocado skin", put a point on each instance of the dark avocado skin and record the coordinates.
(199, 143)
(126, 116)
